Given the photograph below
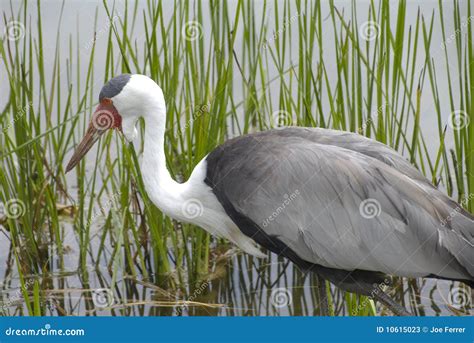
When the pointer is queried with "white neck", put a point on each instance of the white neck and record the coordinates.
(165, 192)
(192, 201)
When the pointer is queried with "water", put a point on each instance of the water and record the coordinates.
(237, 284)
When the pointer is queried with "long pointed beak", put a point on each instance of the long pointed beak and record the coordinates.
(105, 117)
(91, 136)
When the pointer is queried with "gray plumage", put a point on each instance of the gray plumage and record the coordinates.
(342, 201)
(114, 86)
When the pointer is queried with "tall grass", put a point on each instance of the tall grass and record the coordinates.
(224, 73)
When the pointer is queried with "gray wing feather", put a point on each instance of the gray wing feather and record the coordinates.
(361, 144)
(343, 201)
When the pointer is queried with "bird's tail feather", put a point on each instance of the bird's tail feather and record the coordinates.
(459, 241)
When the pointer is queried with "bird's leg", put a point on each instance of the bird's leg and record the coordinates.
(323, 297)
(396, 308)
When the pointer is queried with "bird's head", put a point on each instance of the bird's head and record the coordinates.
(122, 101)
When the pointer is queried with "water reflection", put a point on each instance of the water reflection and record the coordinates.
(238, 285)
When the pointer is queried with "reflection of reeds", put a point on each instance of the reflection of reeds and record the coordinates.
(225, 74)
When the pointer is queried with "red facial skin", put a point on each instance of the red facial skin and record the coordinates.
(106, 116)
